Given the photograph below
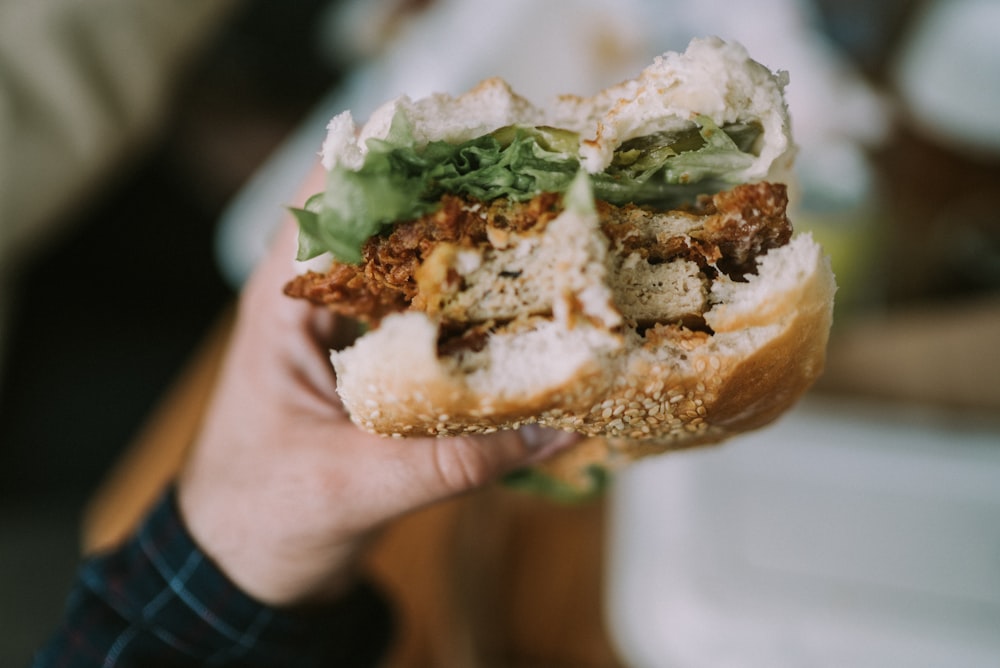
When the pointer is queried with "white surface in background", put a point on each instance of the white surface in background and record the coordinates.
(844, 535)
(948, 73)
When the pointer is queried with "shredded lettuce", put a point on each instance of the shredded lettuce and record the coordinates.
(399, 181)
(666, 170)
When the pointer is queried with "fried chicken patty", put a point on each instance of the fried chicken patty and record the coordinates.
(723, 233)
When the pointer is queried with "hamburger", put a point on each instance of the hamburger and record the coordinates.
(620, 265)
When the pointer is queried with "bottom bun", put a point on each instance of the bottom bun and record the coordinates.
(638, 392)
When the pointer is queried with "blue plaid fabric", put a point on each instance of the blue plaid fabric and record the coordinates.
(159, 601)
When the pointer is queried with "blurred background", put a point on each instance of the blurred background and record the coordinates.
(147, 149)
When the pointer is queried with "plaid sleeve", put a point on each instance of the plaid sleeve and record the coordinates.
(159, 601)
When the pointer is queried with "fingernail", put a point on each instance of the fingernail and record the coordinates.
(533, 436)
(536, 437)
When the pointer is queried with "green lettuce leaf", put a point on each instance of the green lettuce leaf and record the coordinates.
(666, 170)
(596, 480)
(399, 181)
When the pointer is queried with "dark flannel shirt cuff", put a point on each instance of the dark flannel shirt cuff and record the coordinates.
(174, 601)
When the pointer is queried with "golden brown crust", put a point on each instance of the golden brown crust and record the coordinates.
(387, 280)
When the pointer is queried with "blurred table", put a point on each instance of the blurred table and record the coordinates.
(933, 354)
(495, 578)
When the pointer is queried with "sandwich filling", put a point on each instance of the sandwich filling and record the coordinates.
(458, 230)
(476, 266)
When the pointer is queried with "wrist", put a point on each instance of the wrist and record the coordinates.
(261, 556)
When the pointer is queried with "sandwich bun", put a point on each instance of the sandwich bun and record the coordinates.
(578, 324)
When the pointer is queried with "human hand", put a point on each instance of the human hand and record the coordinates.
(282, 489)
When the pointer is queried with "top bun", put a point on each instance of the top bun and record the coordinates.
(713, 78)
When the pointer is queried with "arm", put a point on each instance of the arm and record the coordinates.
(159, 601)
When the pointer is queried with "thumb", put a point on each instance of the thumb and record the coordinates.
(460, 464)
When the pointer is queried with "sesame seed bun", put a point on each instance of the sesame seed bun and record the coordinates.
(643, 356)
